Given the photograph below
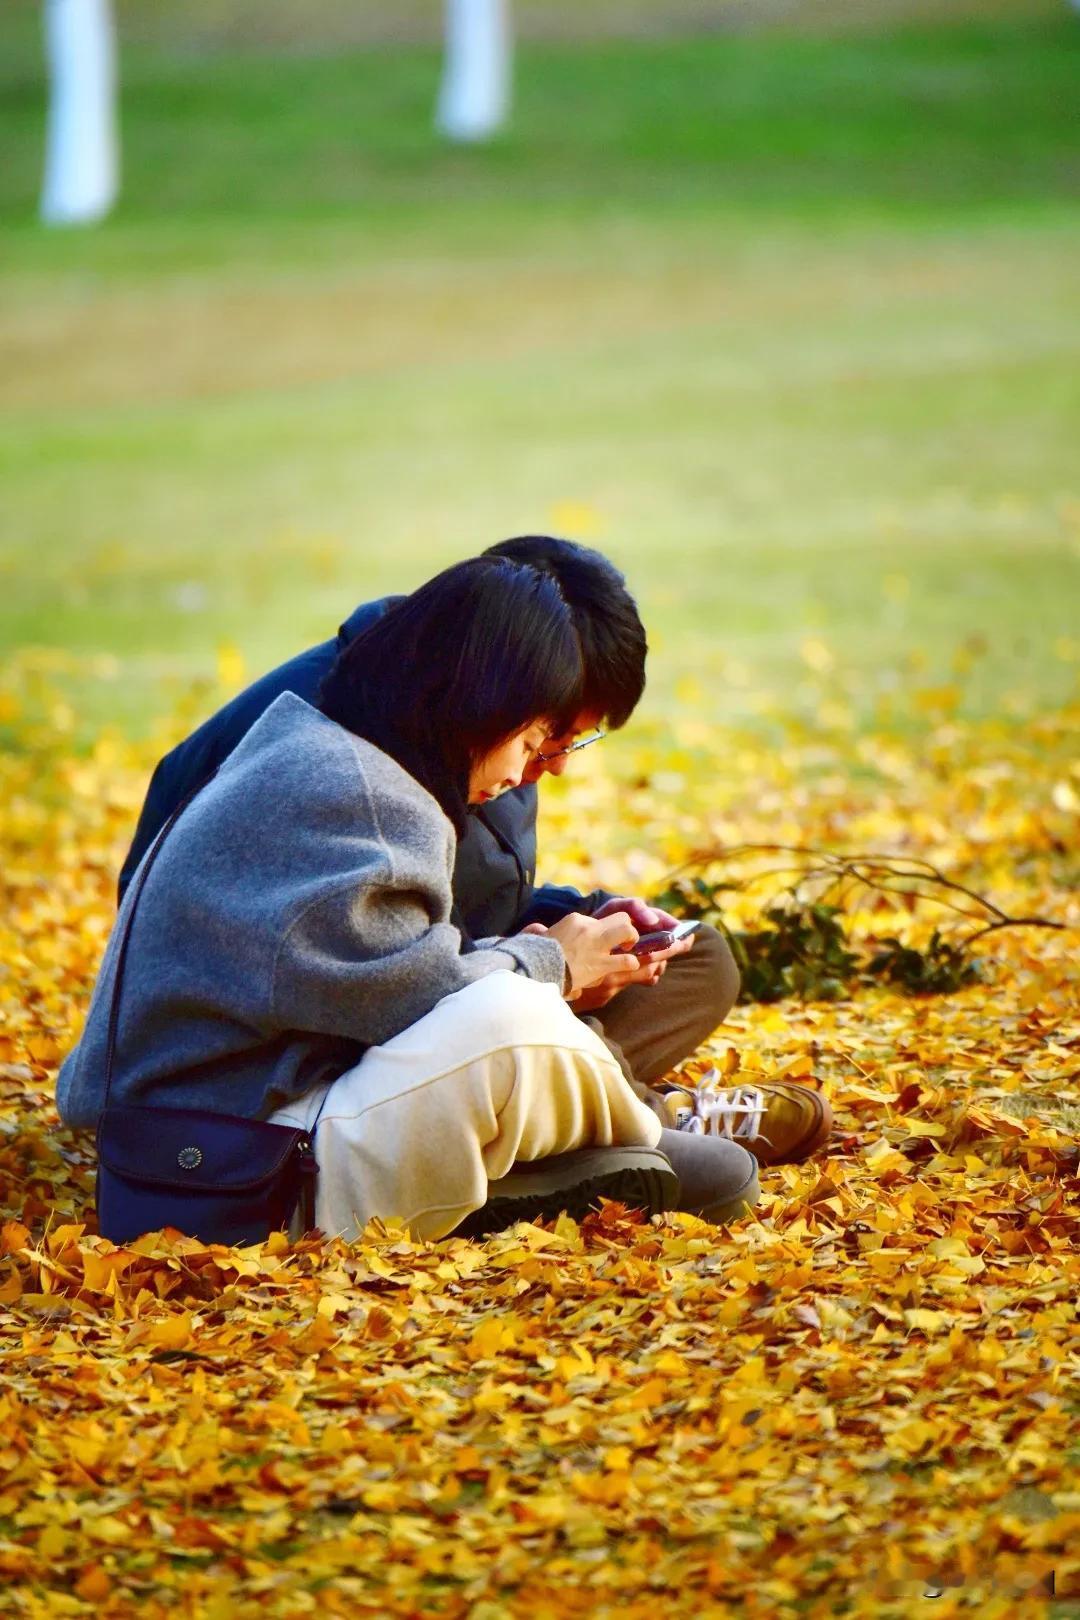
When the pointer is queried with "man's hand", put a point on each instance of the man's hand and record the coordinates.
(645, 918)
(650, 971)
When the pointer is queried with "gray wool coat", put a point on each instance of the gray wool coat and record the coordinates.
(296, 914)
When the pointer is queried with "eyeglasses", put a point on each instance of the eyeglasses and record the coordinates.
(572, 748)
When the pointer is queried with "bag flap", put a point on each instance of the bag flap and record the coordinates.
(174, 1147)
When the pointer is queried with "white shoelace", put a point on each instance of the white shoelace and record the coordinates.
(713, 1111)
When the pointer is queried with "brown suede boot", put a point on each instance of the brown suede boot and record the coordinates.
(779, 1122)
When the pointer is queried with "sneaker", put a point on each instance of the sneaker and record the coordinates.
(779, 1121)
(639, 1177)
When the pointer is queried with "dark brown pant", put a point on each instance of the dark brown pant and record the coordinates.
(651, 1028)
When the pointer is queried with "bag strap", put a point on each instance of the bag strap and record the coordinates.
(121, 956)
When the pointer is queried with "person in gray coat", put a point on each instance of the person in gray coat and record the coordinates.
(294, 956)
(652, 1013)
(651, 1023)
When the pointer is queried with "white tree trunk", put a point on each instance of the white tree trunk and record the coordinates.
(474, 97)
(81, 151)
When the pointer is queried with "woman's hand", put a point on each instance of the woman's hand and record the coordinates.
(589, 945)
(650, 969)
(629, 969)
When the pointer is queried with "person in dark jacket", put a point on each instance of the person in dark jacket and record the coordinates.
(495, 873)
(652, 1014)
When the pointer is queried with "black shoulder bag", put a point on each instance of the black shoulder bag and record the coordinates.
(216, 1177)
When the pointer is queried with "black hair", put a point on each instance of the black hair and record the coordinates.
(445, 675)
(605, 616)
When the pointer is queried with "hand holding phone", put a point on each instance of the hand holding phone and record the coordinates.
(662, 940)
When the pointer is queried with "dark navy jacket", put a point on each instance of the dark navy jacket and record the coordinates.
(496, 860)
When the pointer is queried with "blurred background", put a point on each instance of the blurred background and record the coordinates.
(775, 301)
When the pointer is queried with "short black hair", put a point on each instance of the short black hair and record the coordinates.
(605, 615)
(449, 672)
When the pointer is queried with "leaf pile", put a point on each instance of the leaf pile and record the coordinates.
(940, 967)
(800, 945)
(869, 1386)
(800, 951)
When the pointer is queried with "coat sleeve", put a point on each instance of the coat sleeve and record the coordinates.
(551, 902)
(366, 963)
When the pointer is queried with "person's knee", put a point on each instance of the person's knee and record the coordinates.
(719, 971)
(510, 1009)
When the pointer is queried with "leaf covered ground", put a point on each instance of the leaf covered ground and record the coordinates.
(868, 1386)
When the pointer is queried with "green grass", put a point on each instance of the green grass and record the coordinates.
(788, 325)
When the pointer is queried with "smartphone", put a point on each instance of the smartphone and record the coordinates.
(649, 944)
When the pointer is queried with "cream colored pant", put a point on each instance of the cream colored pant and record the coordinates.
(498, 1072)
